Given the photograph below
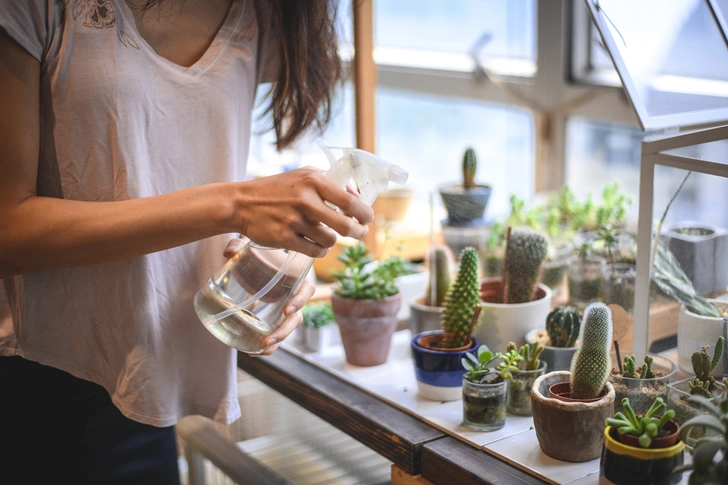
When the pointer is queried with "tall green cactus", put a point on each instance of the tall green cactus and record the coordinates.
(562, 325)
(439, 278)
(524, 255)
(703, 365)
(591, 364)
(461, 301)
(470, 164)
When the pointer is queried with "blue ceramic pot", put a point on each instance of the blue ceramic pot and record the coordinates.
(439, 373)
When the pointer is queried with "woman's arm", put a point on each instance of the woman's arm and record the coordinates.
(39, 233)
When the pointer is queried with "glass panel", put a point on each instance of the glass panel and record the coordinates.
(674, 53)
(427, 136)
(456, 26)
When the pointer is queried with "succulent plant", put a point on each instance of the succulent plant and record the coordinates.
(703, 365)
(562, 325)
(644, 371)
(317, 315)
(461, 301)
(529, 353)
(478, 367)
(470, 165)
(439, 278)
(645, 427)
(591, 365)
(525, 252)
(358, 283)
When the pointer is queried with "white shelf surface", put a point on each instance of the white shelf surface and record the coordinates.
(394, 382)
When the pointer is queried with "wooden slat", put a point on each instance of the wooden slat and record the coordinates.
(385, 429)
(365, 74)
(448, 461)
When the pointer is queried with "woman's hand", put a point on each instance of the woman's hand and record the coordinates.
(289, 211)
(292, 311)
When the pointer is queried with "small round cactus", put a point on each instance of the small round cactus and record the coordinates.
(562, 325)
(470, 164)
(525, 253)
(461, 301)
(591, 364)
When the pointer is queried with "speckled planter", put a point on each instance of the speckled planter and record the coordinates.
(569, 431)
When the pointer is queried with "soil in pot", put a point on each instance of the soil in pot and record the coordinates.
(484, 405)
(641, 392)
(562, 392)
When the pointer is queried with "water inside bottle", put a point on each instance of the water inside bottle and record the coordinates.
(241, 330)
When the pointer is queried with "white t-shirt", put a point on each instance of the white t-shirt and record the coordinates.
(120, 122)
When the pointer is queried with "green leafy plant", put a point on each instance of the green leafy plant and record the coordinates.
(710, 454)
(358, 282)
(529, 354)
(645, 427)
(609, 237)
(461, 301)
(644, 371)
(563, 325)
(479, 367)
(317, 315)
(591, 365)
(703, 365)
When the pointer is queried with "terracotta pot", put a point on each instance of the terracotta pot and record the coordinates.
(366, 327)
(433, 341)
(501, 323)
(569, 431)
(660, 442)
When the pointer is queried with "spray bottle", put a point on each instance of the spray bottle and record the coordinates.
(244, 301)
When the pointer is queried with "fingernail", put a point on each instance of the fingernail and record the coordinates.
(272, 341)
(291, 309)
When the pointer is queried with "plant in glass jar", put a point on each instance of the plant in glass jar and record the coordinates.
(703, 384)
(643, 383)
(484, 388)
(619, 278)
(585, 276)
(529, 369)
(642, 448)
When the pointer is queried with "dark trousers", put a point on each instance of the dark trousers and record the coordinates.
(56, 428)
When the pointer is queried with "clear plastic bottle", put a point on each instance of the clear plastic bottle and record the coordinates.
(244, 301)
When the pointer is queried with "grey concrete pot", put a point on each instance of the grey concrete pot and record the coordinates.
(702, 252)
(557, 358)
(569, 431)
(464, 205)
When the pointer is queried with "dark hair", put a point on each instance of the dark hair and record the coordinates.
(302, 96)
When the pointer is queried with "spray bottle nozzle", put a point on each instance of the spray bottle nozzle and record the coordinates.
(371, 174)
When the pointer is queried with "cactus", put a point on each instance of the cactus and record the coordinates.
(591, 365)
(440, 277)
(525, 252)
(562, 325)
(530, 354)
(644, 371)
(470, 164)
(461, 301)
(703, 365)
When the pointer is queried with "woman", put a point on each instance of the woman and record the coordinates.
(124, 132)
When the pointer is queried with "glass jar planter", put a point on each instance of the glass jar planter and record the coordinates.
(484, 405)
(642, 392)
(586, 281)
(519, 390)
(619, 284)
(554, 267)
(678, 395)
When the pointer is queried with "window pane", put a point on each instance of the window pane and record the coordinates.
(456, 26)
(427, 136)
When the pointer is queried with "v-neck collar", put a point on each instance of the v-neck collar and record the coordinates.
(222, 37)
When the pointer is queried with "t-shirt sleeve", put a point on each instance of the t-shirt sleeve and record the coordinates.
(269, 43)
(27, 22)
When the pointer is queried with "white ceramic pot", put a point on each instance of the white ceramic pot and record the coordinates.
(501, 323)
(694, 331)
